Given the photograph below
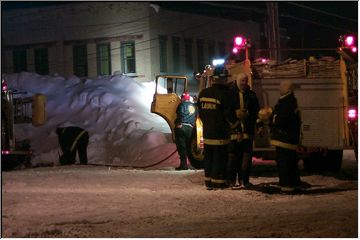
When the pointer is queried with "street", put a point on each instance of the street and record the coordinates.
(95, 201)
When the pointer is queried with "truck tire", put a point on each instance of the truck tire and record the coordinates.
(354, 138)
(314, 162)
(15, 161)
(196, 155)
(317, 162)
(334, 160)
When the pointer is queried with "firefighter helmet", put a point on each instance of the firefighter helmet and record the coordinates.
(185, 96)
(221, 75)
(220, 72)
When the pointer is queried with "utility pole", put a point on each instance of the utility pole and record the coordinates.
(273, 31)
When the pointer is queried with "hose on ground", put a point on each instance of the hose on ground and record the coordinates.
(129, 166)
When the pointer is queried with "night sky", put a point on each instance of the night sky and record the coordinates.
(308, 24)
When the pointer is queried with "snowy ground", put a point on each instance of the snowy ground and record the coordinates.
(94, 201)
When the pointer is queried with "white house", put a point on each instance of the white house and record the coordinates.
(140, 39)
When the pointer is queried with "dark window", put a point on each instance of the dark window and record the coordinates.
(41, 61)
(200, 54)
(128, 63)
(222, 49)
(103, 59)
(80, 60)
(163, 53)
(188, 54)
(211, 50)
(20, 63)
(176, 54)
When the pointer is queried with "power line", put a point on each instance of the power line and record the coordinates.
(91, 25)
(321, 11)
(316, 23)
(31, 11)
(156, 38)
(234, 7)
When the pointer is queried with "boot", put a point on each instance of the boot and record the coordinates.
(182, 167)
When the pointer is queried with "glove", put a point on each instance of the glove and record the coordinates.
(242, 114)
(265, 114)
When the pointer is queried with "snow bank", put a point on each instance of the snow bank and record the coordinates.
(115, 110)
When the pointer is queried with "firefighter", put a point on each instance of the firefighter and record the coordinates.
(184, 123)
(218, 116)
(241, 146)
(72, 139)
(285, 136)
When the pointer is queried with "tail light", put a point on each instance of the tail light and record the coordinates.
(5, 152)
(352, 114)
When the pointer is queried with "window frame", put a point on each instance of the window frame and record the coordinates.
(77, 66)
(176, 54)
(99, 60)
(17, 58)
(41, 61)
(189, 61)
(124, 59)
(200, 50)
(163, 53)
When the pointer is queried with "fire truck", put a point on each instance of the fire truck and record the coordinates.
(16, 109)
(326, 90)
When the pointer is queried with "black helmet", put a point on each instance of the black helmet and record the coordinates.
(220, 71)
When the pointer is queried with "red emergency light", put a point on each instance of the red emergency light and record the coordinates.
(4, 86)
(352, 114)
(349, 41)
(239, 41)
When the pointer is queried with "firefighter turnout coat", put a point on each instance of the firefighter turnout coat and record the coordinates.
(217, 113)
(286, 123)
(186, 113)
(247, 107)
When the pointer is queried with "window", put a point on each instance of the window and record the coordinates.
(80, 60)
(222, 49)
(128, 63)
(41, 61)
(211, 50)
(188, 54)
(19, 58)
(176, 54)
(163, 53)
(103, 59)
(200, 55)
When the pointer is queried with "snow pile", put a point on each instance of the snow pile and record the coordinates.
(115, 110)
